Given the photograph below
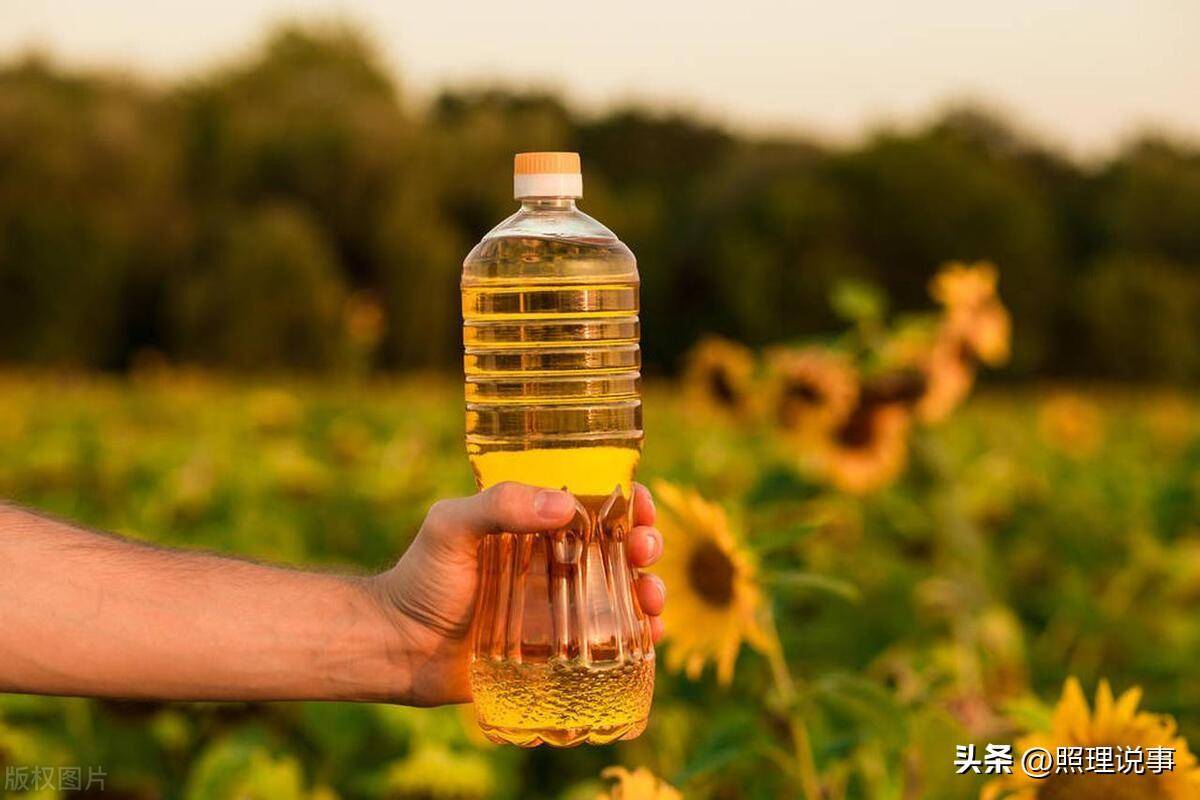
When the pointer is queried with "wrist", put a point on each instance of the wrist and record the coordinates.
(429, 657)
(367, 655)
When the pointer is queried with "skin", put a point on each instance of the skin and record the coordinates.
(89, 614)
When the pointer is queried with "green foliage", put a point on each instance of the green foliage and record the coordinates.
(939, 611)
(232, 768)
(431, 771)
(271, 296)
(1115, 300)
(811, 582)
(859, 302)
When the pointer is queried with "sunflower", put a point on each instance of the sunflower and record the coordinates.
(720, 375)
(1112, 723)
(812, 390)
(641, 784)
(926, 366)
(960, 286)
(988, 332)
(715, 598)
(949, 373)
(974, 315)
(869, 449)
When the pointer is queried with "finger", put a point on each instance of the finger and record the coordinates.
(652, 594)
(643, 506)
(657, 628)
(508, 506)
(644, 546)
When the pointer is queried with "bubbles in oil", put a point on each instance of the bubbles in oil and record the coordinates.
(524, 702)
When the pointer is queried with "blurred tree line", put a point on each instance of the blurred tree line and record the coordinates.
(245, 218)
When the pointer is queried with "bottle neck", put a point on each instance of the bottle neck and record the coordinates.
(547, 203)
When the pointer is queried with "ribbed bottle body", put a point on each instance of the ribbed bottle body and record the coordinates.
(550, 330)
(561, 652)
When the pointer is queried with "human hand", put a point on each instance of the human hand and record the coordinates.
(430, 593)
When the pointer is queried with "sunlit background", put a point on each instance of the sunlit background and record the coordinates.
(921, 327)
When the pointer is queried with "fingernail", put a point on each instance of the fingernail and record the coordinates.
(551, 504)
(656, 546)
(662, 587)
(649, 499)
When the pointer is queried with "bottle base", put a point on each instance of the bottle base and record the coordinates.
(568, 737)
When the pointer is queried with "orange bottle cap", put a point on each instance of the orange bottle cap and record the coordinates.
(547, 175)
(546, 163)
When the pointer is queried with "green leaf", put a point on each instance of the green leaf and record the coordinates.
(858, 301)
(235, 762)
(782, 537)
(932, 735)
(433, 770)
(872, 706)
(733, 739)
(780, 484)
(798, 581)
(1029, 713)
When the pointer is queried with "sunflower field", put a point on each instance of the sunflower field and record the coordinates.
(870, 563)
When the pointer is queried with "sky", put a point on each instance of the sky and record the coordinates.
(1082, 75)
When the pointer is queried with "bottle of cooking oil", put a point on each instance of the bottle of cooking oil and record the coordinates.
(561, 652)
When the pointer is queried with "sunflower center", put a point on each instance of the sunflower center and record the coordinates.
(710, 574)
(906, 386)
(1090, 786)
(798, 397)
(722, 388)
(858, 431)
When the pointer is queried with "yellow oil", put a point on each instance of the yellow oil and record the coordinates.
(552, 363)
(561, 651)
(555, 703)
(585, 470)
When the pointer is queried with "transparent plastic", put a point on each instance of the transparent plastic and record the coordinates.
(561, 651)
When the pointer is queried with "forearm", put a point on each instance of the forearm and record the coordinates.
(86, 614)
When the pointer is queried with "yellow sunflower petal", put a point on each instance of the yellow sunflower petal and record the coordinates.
(711, 576)
(810, 390)
(1108, 722)
(1128, 703)
(957, 285)
(1102, 714)
(1073, 715)
(640, 784)
(719, 376)
(869, 451)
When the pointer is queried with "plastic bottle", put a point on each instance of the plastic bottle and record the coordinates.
(561, 652)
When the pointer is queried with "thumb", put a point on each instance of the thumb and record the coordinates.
(508, 506)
